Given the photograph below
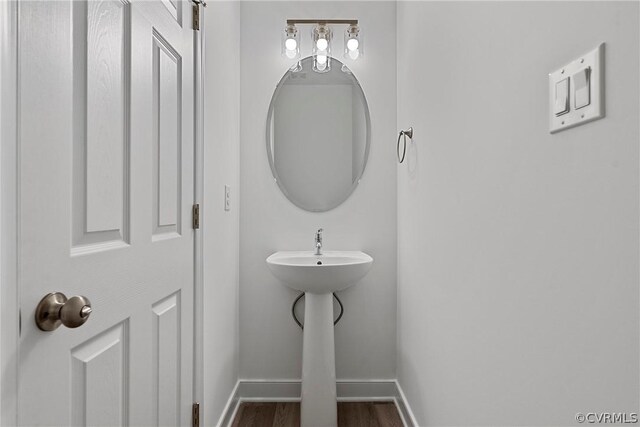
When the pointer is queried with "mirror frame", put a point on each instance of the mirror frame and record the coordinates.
(335, 62)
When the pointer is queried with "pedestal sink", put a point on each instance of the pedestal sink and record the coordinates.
(319, 276)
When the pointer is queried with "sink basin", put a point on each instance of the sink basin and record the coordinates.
(319, 274)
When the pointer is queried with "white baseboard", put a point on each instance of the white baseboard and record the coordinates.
(230, 409)
(403, 407)
(289, 391)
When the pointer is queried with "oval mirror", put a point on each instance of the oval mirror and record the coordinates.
(318, 135)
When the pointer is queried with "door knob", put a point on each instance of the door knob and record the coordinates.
(55, 309)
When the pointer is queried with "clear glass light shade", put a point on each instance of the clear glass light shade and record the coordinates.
(353, 43)
(291, 42)
(321, 35)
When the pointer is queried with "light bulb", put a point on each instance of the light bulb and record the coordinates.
(352, 44)
(322, 44)
(322, 59)
(291, 44)
(354, 54)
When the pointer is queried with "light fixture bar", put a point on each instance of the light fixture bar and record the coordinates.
(322, 36)
(322, 21)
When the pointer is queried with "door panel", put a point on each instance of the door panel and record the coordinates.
(167, 90)
(106, 189)
(102, 61)
(100, 379)
(166, 360)
(101, 128)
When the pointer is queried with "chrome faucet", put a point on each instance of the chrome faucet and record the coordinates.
(319, 242)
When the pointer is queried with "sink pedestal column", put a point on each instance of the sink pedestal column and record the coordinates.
(319, 405)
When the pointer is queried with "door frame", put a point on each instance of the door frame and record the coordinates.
(198, 291)
(10, 214)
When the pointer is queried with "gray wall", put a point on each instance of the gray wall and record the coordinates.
(220, 228)
(518, 250)
(270, 342)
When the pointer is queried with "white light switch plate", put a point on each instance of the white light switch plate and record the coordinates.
(593, 60)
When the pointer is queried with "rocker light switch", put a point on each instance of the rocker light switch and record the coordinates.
(576, 91)
(562, 97)
(582, 88)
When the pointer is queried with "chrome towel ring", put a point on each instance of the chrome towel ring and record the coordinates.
(404, 134)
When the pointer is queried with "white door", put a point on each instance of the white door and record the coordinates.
(106, 187)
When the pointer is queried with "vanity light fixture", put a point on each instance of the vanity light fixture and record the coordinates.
(321, 36)
(291, 42)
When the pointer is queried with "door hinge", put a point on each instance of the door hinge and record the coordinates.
(196, 13)
(195, 422)
(196, 216)
(196, 17)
